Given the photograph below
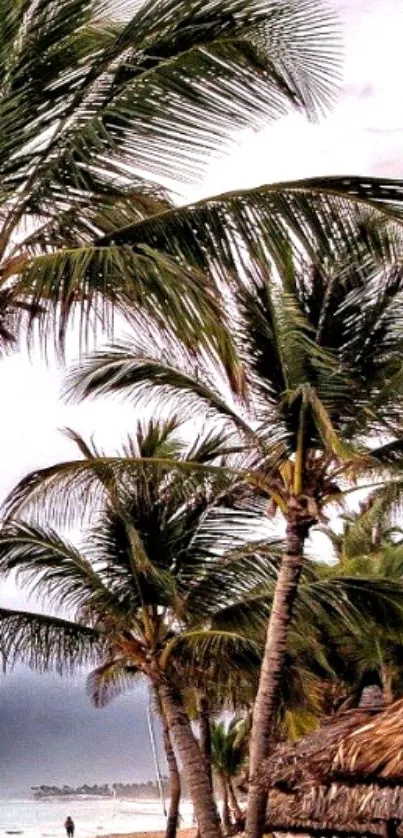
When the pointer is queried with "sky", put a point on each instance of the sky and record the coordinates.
(42, 716)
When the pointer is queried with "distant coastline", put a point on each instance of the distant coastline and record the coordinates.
(126, 791)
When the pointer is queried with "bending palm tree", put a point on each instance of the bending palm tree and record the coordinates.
(320, 354)
(147, 585)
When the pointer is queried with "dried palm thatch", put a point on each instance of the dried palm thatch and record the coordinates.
(346, 778)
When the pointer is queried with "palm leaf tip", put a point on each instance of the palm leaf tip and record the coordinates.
(312, 68)
(46, 643)
(109, 680)
(234, 62)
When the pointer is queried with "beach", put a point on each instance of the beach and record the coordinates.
(189, 832)
(30, 818)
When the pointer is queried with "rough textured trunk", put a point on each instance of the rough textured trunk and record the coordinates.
(192, 761)
(226, 817)
(205, 734)
(234, 803)
(174, 783)
(265, 707)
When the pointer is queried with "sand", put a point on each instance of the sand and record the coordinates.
(182, 833)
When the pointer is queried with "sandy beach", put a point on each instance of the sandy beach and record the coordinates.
(182, 833)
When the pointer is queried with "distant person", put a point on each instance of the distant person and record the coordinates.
(69, 825)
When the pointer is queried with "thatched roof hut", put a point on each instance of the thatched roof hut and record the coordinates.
(346, 778)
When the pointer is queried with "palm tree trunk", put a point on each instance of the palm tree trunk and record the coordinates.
(387, 684)
(265, 707)
(234, 803)
(192, 760)
(174, 782)
(205, 734)
(226, 818)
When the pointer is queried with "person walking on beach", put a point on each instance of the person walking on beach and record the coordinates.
(69, 825)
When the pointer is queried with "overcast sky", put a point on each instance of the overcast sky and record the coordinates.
(52, 720)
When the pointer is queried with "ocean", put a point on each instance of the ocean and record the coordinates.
(31, 818)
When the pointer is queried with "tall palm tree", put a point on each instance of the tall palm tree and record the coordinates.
(91, 108)
(144, 589)
(319, 348)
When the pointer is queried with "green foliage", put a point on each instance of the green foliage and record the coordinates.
(166, 571)
(317, 347)
(93, 111)
(228, 747)
(150, 575)
(370, 548)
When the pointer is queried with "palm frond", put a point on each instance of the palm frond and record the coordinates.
(81, 485)
(283, 317)
(138, 368)
(321, 217)
(110, 679)
(177, 78)
(84, 218)
(50, 566)
(212, 446)
(90, 282)
(201, 648)
(348, 598)
(233, 592)
(47, 643)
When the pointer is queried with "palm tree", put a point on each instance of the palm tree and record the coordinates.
(228, 753)
(174, 781)
(143, 591)
(203, 717)
(92, 108)
(370, 545)
(103, 685)
(319, 349)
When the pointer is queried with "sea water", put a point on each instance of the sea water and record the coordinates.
(32, 818)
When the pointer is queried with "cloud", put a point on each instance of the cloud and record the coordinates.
(50, 734)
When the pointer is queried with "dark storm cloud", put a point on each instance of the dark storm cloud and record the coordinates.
(50, 733)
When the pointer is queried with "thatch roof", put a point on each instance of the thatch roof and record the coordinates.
(347, 777)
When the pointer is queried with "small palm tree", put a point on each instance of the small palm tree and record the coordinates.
(228, 754)
(143, 591)
(320, 352)
(370, 545)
